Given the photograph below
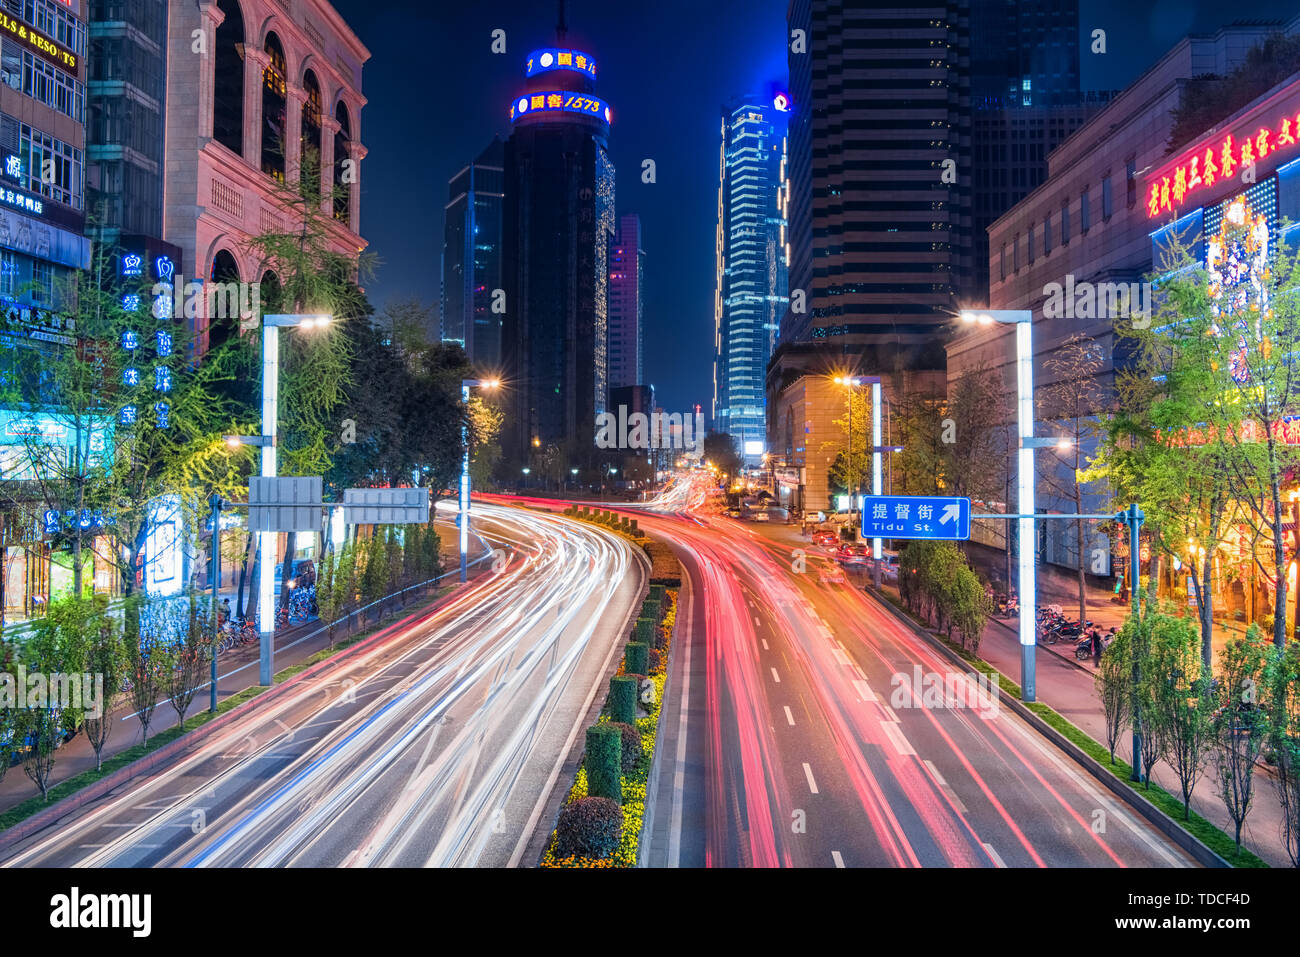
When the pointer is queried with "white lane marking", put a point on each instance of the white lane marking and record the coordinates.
(997, 858)
(776, 677)
(756, 622)
(945, 787)
(835, 856)
(812, 784)
(896, 738)
(842, 657)
(789, 715)
(864, 691)
(765, 648)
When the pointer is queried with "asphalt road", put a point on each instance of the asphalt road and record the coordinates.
(437, 746)
(809, 738)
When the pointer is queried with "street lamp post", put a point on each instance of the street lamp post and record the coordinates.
(462, 518)
(271, 326)
(1022, 319)
(217, 505)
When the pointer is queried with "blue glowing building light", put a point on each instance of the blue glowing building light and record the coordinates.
(554, 58)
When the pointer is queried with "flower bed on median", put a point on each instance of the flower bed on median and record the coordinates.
(634, 781)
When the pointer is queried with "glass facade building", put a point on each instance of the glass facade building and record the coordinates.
(471, 258)
(751, 267)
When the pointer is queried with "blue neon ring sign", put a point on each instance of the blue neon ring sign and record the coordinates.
(557, 58)
(560, 101)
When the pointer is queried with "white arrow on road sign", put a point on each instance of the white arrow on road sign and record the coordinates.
(952, 511)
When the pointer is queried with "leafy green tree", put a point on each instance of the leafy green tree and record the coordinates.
(1239, 725)
(54, 651)
(1282, 705)
(1114, 683)
(191, 646)
(374, 578)
(1180, 702)
(106, 659)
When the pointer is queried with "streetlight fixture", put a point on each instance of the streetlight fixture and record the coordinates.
(1022, 319)
(462, 517)
(271, 326)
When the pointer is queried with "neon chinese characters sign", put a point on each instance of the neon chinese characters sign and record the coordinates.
(551, 58)
(559, 101)
(1217, 160)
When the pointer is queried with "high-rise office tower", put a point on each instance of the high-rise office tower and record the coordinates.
(751, 267)
(626, 303)
(471, 258)
(917, 142)
(559, 221)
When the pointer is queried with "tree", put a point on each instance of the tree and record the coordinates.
(1239, 724)
(148, 661)
(1114, 683)
(1180, 700)
(720, 449)
(54, 651)
(191, 647)
(1282, 705)
(106, 658)
(1069, 403)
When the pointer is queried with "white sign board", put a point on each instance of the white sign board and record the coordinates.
(385, 506)
(284, 504)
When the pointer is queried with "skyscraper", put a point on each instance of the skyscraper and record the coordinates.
(626, 303)
(471, 258)
(559, 221)
(751, 268)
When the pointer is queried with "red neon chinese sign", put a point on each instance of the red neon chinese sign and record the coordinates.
(1206, 165)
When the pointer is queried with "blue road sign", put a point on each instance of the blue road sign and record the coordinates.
(916, 516)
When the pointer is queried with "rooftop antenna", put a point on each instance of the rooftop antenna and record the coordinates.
(560, 29)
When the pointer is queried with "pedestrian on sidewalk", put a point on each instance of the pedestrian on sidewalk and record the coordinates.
(1096, 647)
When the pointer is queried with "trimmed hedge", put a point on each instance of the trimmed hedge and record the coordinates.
(636, 656)
(604, 761)
(589, 827)
(622, 699)
(645, 631)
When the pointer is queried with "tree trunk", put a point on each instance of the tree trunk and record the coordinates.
(1279, 559)
(290, 546)
(243, 574)
(1078, 525)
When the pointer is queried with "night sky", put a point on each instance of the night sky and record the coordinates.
(437, 95)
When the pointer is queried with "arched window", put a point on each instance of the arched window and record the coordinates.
(274, 108)
(311, 135)
(343, 188)
(224, 269)
(228, 85)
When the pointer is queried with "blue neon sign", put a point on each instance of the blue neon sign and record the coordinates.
(560, 101)
(554, 58)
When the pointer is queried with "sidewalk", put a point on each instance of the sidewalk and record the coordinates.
(1067, 686)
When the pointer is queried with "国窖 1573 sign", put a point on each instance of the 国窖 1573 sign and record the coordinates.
(1271, 129)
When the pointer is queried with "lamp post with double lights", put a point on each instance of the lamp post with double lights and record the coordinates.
(462, 517)
(271, 326)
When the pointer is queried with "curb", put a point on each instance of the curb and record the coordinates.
(540, 839)
(652, 782)
(1050, 649)
(1156, 817)
(97, 789)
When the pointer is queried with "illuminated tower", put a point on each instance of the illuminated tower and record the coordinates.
(559, 223)
(751, 267)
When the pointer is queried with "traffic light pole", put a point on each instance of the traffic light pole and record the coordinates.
(1133, 517)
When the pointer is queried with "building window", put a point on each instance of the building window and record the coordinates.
(50, 167)
(1004, 261)
(1030, 244)
(53, 87)
(1085, 214)
(274, 109)
(1065, 222)
(1107, 203)
(8, 272)
(228, 85)
(42, 283)
(1015, 254)
(1131, 183)
(1047, 233)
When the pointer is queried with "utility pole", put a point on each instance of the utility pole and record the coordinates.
(1133, 517)
(217, 506)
